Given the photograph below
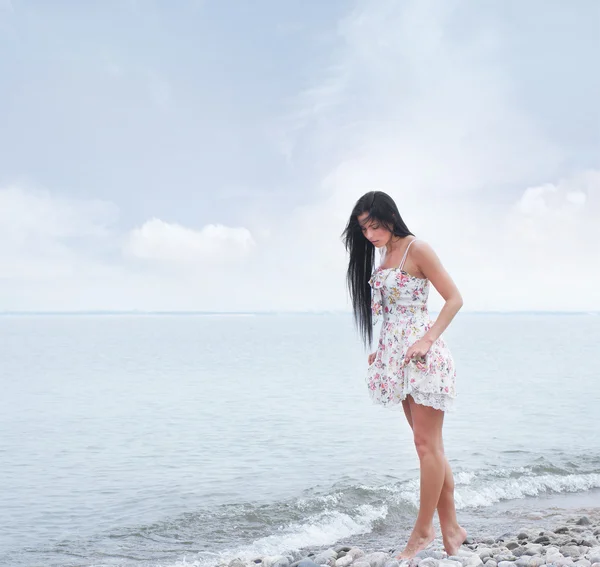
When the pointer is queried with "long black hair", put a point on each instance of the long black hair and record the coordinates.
(382, 208)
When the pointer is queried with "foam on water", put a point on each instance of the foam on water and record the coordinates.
(319, 530)
(523, 487)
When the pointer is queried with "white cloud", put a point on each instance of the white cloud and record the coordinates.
(159, 240)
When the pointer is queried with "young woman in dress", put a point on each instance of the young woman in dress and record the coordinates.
(412, 367)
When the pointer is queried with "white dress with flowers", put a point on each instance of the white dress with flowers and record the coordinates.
(401, 299)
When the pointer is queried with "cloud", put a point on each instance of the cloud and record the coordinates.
(162, 241)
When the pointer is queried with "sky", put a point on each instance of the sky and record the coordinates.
(205, 155)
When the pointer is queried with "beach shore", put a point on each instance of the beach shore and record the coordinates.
(560, 531)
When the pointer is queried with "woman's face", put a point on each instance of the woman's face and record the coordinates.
(374, 231)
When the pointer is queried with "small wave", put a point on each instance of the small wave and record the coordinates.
(523, 487)
(319, 530)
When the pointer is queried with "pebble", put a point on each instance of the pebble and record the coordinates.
(377, 559)
(344, 561)
(570, 551)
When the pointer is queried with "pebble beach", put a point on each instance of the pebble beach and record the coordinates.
(573, 541)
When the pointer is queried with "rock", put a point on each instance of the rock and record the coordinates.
(491, 563)
(534, 549)
(237, 562)
(356, 552)
(512, 545)
(537, 561)
(506, 564)
(325, 557)
(393, 563)
(361, 563)
(344, 561)
(570, 551)
(275, 561)
(523, 561)
(522, 535)
(487, 541)
(562, 530)
(589, 542)
(519, 551)
(485, 553)
(449, 563)
(597, 564)
(434, 554)
(542, 539)
(504, 558)
(307, 563)
(377, 559)
(344, 549)
(593, 555)
(429, 562)
(583, 563)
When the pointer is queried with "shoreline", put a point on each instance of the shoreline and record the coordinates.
(560, 530)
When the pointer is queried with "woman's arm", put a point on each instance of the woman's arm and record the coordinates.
(430, 266)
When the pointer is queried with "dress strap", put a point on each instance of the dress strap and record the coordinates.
(405, 254)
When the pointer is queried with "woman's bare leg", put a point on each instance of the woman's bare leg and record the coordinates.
(452, 533)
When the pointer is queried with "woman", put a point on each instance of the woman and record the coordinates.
(412, 367)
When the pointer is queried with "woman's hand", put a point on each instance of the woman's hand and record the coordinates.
(418, 350)
(372, 358)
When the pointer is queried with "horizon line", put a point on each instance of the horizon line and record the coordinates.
(273, 312)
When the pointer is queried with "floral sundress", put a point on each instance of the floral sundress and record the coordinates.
(402, 301)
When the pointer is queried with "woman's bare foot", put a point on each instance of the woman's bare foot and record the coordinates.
(454, 539)
(417, 542)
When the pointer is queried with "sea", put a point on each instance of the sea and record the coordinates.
(141, 439)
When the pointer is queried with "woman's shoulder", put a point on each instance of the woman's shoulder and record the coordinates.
(422, 250)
